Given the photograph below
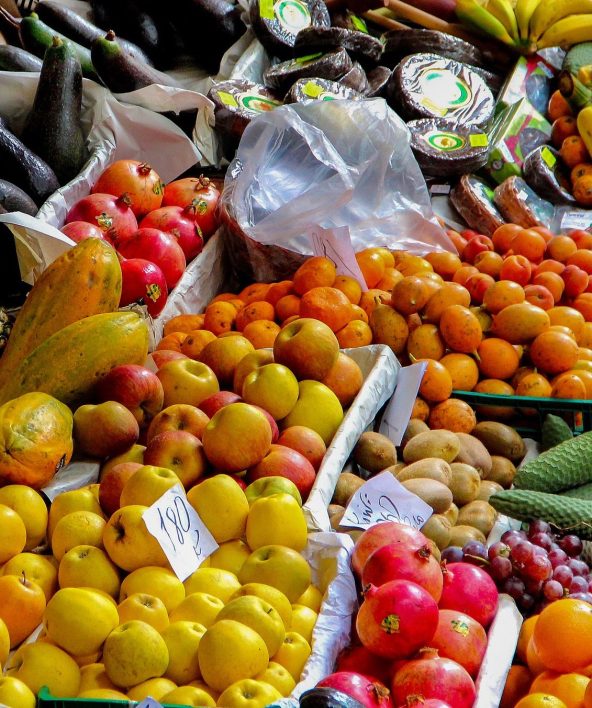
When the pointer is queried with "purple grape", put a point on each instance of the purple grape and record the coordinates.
(452, 554)
(538, 526)
(532, 585)
(578, 584)
(511, 538)
(553, 590)
(539, 568)
(563, 574)
(514, 587)
(498, 549)
(583, 596)
(578, 567)
(543, 540)
(500, 568)
(557, 557)
(522, 553)
(539, 551)
(589, 585)
(526, 602)
(555, 546)
(476, 553)
(572, 545)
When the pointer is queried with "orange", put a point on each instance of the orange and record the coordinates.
(345, 379)
(328, 305)
(183, 323)
(390, 278)
(497, 359)
(349, 287)
(533, 660)
(582, 170)
(425, 342)
(525, 636)
(454, 415)
(436, 384)
(498, 388)
(410, 295)
(517, 684)
(316, 272)
(573, 151)
(287, 306)
(219, 317)
(568, 385)
(386, 255)
(277, 291)
(530, 244)
(567, 317)
(256, 310)
(570, 688)
(172, 341)
(540, 700)
(558, 106)
(563, 635)
(554, 352)
(22, 606)
(560, 248)
(460, 329)
(372, 298)
(535, 385)
(420, 409)
(372, 266)
(253, 292)
(261, 333)
(193, 344)
(543, 682)
(463, 371)
(355, 334)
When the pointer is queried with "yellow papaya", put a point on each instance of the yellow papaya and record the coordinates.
(71, 361)
(35, 439)
(84, 281)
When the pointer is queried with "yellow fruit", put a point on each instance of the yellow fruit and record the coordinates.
(278, 566)
(79, 528)
(222, 506)
(303, 621)
(147, 485)
(278, 677)
(208, 689)
(155, 688)
(225, 639)
(4, 643)
(230, 556)
(293, 654)
(67, 502)
(312, 597)
(152, 580)
(134, 652)
(42, 664)
(276, 520)
(94, 676)
(30, 506)
(147, 608)
(79, 620)
(42, 570)
(104, 694)
(13, 534)
(198, 607)
(275, 597)
(249, 693)
(182, 639)
(16, 693)
(89, 566)
(213, 581)
(129, 543)
(260, 616)
(189, 696)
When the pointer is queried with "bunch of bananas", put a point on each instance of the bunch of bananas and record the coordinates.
(529, 25)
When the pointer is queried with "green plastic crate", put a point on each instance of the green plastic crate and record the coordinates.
(576, 413)
(46, 700)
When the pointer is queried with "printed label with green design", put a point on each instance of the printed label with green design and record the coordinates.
(444, 141)
(292, 15)
(442, 91)
(256, 103)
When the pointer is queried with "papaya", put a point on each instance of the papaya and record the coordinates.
(35, 439)
(69, 363)
(84, 281)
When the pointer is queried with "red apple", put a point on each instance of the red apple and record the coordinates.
(180, 452)
(161, 356)
(160, 248)
(143, 281)
(213, 403)
(112, 483)
(305, 441)
(81, 230)
(135, 387)
(275, 431)
(179, 416)
(282, 461)
(104, 430)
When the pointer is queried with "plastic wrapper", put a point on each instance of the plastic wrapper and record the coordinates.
(339, 163)
(359, 45)
(531, 77)
(332, 65)
(520, 205)
(401, 43)
(472, 198)
(546, 174)
(356, 79)
(319, 90)
(378, 79)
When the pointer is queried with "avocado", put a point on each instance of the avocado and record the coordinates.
(53, 127)
(17, 59)
(12, 198)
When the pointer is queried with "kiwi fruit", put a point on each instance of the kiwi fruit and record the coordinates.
(464, 484)
(347, 485)
(374, 452)
(502, 471)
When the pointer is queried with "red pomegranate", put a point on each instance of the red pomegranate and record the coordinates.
(400, 561)
(421, 702)
(144, 281)
(432, 676)
(381, 535)
(137, 180)
(471, 590)
(397, 619)
(81, 230)
(460, 638)
(370, 693)
(180, 223)
(358, 658)
(159, 248)
(199, 193)
(110, 214)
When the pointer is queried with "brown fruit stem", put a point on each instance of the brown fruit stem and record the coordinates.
(144, 168)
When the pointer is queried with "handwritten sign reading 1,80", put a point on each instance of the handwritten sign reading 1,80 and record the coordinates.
(336, 245)
(382, 498)
(182, 535)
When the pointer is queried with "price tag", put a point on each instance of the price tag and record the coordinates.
(312, 90)
(398, 412)
(440, 189)
(479, 140)
(576, 220)
(182, 535)
(228, 99)
(336, 245)
(149, 703)
(548, 157)
(382, 498)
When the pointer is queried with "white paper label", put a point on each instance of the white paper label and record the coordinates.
(576, 220)
(336, 245)
(382, 498)
(182, 535)
(440, 189)
(149, 703)
(398, 411)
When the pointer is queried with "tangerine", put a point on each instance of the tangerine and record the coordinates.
(540, 700)
(571, 689)
(563, 635)
(287, 306)
(517, 684)
(278, 290)
(219, 317)
(253, 292)
(194, 343)
(261, 333)
(390, 278)
(172, 341)
(350, 287)
(256, 310)
(372, 266)
(315, 272)
(183, 323)
(356, 333)
(328, 305)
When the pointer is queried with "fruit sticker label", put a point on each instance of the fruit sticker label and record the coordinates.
(254, 103)
(302, 61)
(179, 530)
(359, 24)
(444, 141)
(460, 627)
(227, 99)
(383, 498)
(398, 411)
(266, 9)
(312, 90)
(336, 245)
(292, 15)
(548, 157)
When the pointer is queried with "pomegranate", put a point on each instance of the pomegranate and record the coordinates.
(432, 676)
(180, 223)
(199, 193)
(470, 590)
(421, 702)
(137, 180)
(370, 693)
(159, 248)
(143, 281)
(400, 561)
(380, 535)
(358, 658)
(396, 619)
(110, 214)
(80, 230)
(460, 638)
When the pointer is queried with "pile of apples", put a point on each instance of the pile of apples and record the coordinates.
(421, 629)
(118, 624)
(156, 229)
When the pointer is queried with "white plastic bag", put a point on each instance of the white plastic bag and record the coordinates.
(328, 164)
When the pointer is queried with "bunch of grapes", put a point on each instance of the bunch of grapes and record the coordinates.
(534, 567)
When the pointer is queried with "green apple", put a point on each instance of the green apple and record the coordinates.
(266, 486)
(272, 387)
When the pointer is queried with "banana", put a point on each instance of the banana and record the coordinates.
(472, 14)
(524, 11)
(568, 31)
(550, 11)
(503, 11)
(585, 126)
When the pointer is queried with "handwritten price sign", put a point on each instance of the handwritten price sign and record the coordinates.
(398, 412)
(336, 245)
(181, 533)
(382, 498)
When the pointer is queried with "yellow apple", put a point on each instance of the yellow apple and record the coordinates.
(180, 416)
(281, 567)
(272, 387)
(199, 607)
(213, 581)
(230, 556)
(222, 506)
(189, 696)
(275, 597)
(258, 615)
(223, 356)
(152, 580)
(250, 362)
(249, 693)
(307, 347)
(16, 693)
(182, 639)
(266, 486)
(43, 664)
(88, 566)
(30, 506)
(4, 643)
(134, 652)
(79, 528)
(155, 688)
(67, 502)
(134, 454)
(317, 408)
(147, 608)
(103, 694)
(276, 520)
(278, 677)
(94, 676)
(303, 621)
(208, 689)
(13, 533)
(147, 485)
(129, 543)
(42, 570)
(187, 381)
(293, 654)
